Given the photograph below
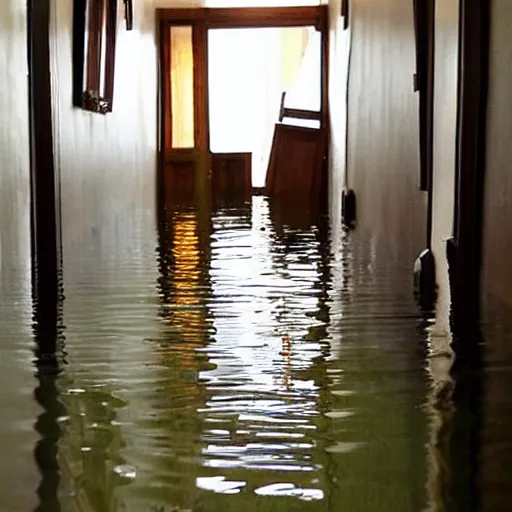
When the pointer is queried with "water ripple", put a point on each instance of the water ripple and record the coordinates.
(242, 366)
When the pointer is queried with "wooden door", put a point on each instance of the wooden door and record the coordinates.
(297, 170)
(297, 164)
(231, 177)
(184, 157)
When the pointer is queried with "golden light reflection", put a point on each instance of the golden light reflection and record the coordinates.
(185, 278)
(187, 259)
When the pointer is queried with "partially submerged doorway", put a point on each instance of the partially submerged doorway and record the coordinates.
(222, 110)
(248, 71)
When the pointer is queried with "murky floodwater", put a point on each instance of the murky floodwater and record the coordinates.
(253, 360)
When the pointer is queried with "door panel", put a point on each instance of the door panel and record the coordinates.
(184, 153)
(185, 177)
(182, 86)
(296, 167)
(231, 175)
(180, 180)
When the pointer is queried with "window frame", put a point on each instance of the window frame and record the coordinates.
(93, 76)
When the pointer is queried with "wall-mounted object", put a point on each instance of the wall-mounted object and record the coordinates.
(94, 48)
(128, 14)
(348, 208)
(345, 12)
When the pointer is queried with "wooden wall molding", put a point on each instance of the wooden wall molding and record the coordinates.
(248, 17)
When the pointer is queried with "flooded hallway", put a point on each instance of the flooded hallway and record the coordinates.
(191, 330)
(263, 362)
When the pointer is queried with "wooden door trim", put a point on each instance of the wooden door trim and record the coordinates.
(324, 73)
(164, 115)
(464, 250)
(200, 48)
(45, 199)
(248, 17)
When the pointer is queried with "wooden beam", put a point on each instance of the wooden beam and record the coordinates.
(250, 17)
(45, 200)
(465, 248)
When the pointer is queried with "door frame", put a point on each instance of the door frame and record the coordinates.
(464, 249)
(45, 200)
(202, 19)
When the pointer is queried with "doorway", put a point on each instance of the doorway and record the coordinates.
(248, 71)
(241, 89)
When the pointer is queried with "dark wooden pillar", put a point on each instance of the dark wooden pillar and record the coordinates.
(46, 260)
(45, 200)
(465, 248)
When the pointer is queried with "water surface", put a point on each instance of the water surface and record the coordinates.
(249, 359)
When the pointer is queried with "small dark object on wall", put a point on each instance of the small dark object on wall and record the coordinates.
(345, 12)
(348, 208)
(128, 14)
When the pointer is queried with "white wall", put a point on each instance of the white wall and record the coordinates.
(445, 124)
(14, 144)
(339, 48)
(383, 128)
(107, 163)
(19, 477)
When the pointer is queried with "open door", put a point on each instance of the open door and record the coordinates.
(297, 165)
(297, 158)
(189, 170)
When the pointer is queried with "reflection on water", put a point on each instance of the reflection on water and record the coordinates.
(247, 359)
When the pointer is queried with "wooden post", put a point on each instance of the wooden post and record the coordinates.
(45, 199)
(464, 249)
